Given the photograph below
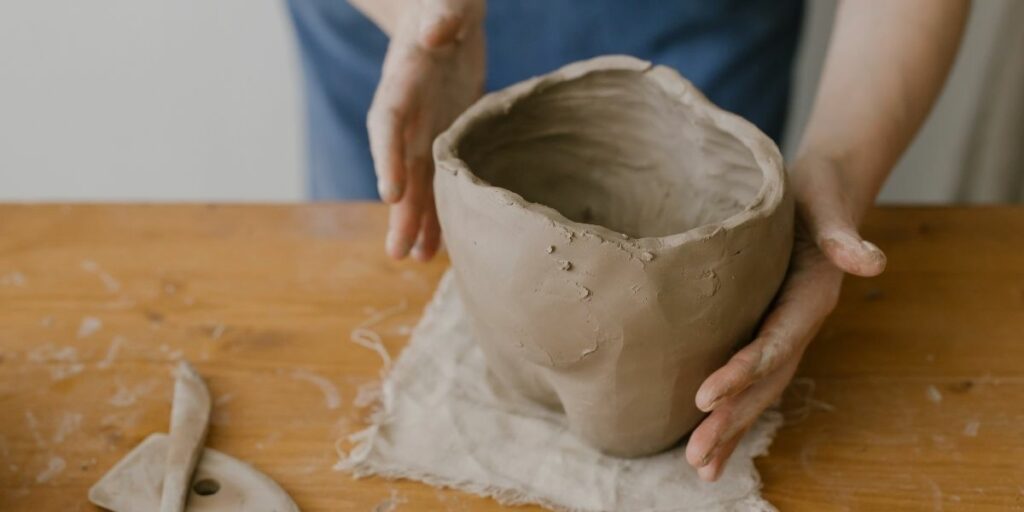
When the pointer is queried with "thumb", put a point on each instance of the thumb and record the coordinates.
(851, 253)
(824, 210)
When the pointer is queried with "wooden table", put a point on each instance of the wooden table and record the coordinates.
(912, 398)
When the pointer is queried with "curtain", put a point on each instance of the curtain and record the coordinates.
(993, 166)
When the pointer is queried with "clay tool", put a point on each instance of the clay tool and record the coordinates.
(173, 472)
(190, 416)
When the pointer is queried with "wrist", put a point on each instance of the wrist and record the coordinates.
(833, 173)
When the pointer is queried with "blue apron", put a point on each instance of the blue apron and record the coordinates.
(739, 52)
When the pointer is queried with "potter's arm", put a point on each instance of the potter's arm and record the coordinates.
(885, 66)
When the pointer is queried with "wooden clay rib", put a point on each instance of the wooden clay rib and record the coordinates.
(133, 485)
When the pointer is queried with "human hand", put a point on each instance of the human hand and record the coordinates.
(433, 71)
(826, 245)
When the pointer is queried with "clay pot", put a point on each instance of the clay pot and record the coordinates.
(615, 236)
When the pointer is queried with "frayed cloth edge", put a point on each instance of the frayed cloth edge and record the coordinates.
(357, 462)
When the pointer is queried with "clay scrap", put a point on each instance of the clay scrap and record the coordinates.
(174, 472)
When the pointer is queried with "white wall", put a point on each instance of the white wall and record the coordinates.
(148, 99)
(199, 100)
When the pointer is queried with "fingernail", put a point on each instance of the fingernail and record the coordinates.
(711, 405)
(707, 473)
(708, 404)
(876, 254)
(708, 456)
(397, 245)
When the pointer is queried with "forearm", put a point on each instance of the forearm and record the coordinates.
(886, 64)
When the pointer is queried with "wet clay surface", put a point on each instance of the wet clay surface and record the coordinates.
(614, 236)
(615, 150)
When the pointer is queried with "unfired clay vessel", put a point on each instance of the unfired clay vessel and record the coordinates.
(614, 236)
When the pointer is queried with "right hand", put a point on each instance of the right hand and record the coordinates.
(826, 245)
(433, 71)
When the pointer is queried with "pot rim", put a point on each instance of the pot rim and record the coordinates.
(766, 154)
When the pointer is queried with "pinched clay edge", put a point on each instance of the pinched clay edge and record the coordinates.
(765, 153)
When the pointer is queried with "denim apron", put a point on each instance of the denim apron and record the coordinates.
(739, 52)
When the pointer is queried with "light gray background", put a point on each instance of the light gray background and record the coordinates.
(199, 100)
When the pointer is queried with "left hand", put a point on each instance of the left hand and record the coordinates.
(826, 245)
(434, 69)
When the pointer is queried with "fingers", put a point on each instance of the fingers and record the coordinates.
(808, 296)
(385, 123)
(407, 215)
(413, 218)
(718, 459)
(429, 239)
(714, 440)
(412, 215)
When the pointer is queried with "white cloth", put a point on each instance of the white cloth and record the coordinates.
(443, 420)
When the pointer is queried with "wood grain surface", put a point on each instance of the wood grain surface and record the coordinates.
(912, 397)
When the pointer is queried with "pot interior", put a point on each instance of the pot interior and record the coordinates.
(612, 148)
